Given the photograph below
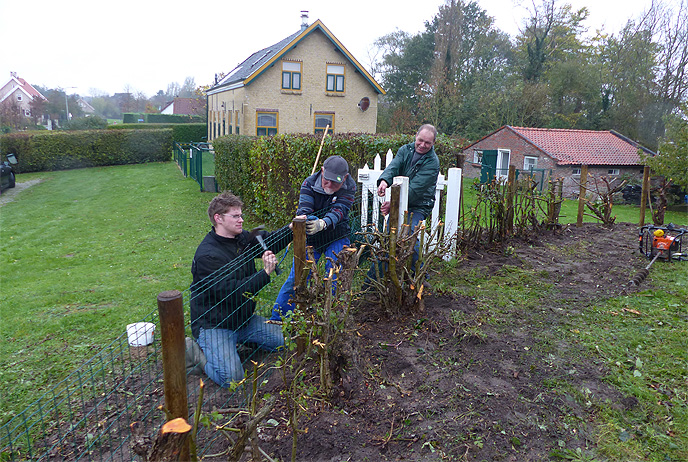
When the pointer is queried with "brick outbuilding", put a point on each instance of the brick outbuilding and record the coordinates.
(559, 153)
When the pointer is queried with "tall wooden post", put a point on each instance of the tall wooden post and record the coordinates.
(299, 229)
(581, 194)
(171, 312)
(644, 196)
(510, 194)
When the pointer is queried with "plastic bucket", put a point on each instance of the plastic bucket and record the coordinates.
(140, 333)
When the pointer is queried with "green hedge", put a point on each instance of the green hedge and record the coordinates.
(89, 148)
(132, 118)
(181, 133)
(267, 172)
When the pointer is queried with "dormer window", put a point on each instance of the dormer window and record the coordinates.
(291, 75)
(335, 78)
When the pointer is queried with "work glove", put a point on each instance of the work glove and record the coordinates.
(315, 226)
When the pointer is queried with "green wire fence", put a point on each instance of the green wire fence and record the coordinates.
(87, 416)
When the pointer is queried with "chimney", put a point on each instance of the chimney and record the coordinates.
(304, 20)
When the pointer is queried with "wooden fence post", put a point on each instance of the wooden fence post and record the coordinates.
(299, 229)
(510, 193)
(644, 196)
(171, 312)
(581, 195)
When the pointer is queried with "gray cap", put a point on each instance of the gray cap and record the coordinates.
(336, 169)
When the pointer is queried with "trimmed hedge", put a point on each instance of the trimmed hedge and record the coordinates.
(132, 118)
(42, 151)
(267, 172)
(181, 133)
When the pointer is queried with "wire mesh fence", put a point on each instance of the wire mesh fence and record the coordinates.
(87, 416)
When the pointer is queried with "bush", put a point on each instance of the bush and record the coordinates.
(181, 133)
(89, 148)
(132, 118)
(269, 170)
(86, 123)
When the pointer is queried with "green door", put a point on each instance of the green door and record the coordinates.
(487, 172)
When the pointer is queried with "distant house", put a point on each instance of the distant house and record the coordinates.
(87, 109)
(185, 106)
(19, 91)
(301, 84)
(559, 152)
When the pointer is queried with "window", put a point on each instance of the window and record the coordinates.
(322, 120)
(335, 78)
(613, 172)
(291, 75)
(477, 157)
(266, 123)
(529, 162)
(576, 172)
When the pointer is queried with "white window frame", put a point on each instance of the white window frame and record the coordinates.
(526, 165)
(477, 156)
(576, 172)
(613, 172)
(503, 161)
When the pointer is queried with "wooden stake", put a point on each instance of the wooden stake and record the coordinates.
(327, 127)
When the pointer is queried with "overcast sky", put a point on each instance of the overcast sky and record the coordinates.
(144, 45)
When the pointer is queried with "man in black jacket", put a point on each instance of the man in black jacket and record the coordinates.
(224, 280)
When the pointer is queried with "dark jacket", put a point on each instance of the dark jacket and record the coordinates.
(333, 209)
(225, 276)
(422, 177)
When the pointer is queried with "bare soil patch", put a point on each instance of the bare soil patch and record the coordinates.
(427, 388)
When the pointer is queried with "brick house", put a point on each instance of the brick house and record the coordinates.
(299, 85)
(185, 106)
(559, 153)
(20, 92)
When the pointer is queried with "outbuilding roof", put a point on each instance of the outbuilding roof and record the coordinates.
(580, 147)
(261, 60)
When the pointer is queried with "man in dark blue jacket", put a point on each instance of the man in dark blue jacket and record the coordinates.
(325, 198)
(224, 280)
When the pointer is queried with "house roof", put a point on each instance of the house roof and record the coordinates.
(581, 147)
(261, 60)
(188, 106)
(22, 85)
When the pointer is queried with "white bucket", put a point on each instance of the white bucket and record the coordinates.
(140, 333)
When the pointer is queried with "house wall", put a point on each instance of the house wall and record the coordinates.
(296, 109)
(520, 148)
(226, 113)
(17, 96)
(571, 184)
(506, 139)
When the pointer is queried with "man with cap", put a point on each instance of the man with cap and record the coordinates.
(325, 199)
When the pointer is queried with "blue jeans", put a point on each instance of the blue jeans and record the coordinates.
(283, 304)
(220, 347)
(417, 218)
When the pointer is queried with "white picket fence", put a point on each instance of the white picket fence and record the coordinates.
(452, 184)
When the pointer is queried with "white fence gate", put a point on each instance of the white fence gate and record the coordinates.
(368, 179)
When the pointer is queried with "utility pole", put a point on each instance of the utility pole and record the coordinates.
(67, 104)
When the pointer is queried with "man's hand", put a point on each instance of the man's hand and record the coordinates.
(384, 208)
(291, 225)
(315, 226)
(382, 188)
(269, 261)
